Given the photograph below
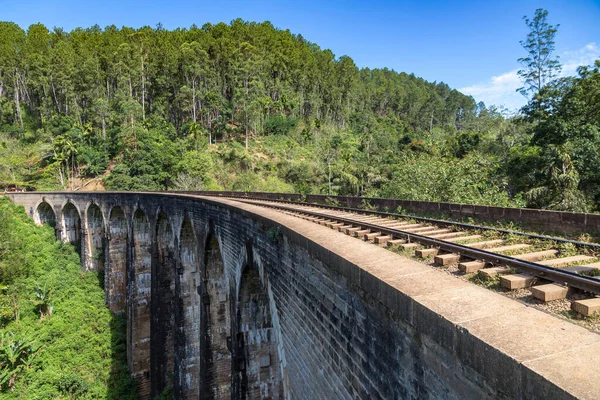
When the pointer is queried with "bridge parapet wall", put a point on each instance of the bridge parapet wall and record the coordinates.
(553, 221)
(334, 318)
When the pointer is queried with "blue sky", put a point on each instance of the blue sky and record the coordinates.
(471, 45)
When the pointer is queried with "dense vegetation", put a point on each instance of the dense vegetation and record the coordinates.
(246, 106)
(57, 338)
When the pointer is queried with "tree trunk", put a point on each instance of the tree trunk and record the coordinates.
(194, 100)
(143, 92)
(54, 95)
(329, 166)
(104, 134)
(431, 122)
(17, 102)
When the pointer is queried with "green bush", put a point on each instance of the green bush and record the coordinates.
(279, 125)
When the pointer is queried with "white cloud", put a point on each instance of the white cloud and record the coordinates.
(501, 90)
(574, 59)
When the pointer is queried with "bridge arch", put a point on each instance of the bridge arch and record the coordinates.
(116, 271)
(256, 366)
(188, 311)
(44, 213)
(216, 322)
(71, 224)
(139, 286)
(95, 239)
(164, 264)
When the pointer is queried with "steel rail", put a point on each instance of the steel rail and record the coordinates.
(572, 279)
(593, 246)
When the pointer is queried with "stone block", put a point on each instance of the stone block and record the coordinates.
(426, 252)
(433, 231)
(448, 235)
(444, 207)
(396, 242)
(410, 245)
(397, 226)
(469, 267)
(410, 226)
(569, 218)
(446, 259)
(391, 222)
(536, 256)
(382, 239)
(419, 229)
(517, 281)
(595, 265)
(467, 209)
(592, 223)
(463, 238)
(510, 247)
(350, 231)
(561, 262)
(578, 269)
(371, 236)
(513, 214)
(265, 361)
(495, 212)
(343, 228)
(549, 292)
(481, 210)
(529, 215)
(362, 232)
(484, 244)
(586, 307)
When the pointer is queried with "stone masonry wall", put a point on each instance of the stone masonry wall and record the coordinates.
(553, 221)
(302, 312)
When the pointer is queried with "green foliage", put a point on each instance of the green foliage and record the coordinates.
(332, 201)
(95, 161)
(274, 234)
(279, 125)
(366, 205)
(72, 385)
(559, 168)
(16, 355)
(469, 180)
(466, 142)
(43, 299)
(77, 353)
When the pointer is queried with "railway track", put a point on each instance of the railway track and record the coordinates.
(549, 267)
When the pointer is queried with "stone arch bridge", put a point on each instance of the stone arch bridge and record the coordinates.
(229, 300)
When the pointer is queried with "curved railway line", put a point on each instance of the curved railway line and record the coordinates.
(549, 267)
